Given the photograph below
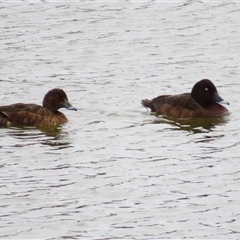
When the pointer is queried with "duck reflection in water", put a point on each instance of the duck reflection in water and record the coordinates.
(56, 137)
(195, 125)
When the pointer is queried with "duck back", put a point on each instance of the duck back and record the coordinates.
(183, 106)
(20, 114)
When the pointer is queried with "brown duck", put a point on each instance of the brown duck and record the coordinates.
(203, 101)
(21, 114)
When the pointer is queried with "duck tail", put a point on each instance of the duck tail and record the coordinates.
(148, 104)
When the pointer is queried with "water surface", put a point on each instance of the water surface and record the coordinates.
(115, 171)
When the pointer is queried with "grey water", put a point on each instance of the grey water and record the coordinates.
(115, 171)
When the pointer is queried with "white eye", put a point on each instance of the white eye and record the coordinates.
(206, 88)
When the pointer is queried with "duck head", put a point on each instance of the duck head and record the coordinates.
(55, 99)
(204, 92)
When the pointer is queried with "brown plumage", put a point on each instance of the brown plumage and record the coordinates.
(203, 101)
(20, 114)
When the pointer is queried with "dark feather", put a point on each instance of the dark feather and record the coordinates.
(20, 114)
(186, 106)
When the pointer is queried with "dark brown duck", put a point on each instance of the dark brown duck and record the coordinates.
(203, 101)
(20, 114)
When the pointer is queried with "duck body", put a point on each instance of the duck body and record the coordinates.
(20, 114)
(203, 101)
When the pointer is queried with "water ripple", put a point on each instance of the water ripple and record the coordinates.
(115, 167)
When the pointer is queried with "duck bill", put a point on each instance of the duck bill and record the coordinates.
(217, 98)
(68, 105)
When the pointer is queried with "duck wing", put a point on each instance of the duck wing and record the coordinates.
(181, 105)
(20, 114)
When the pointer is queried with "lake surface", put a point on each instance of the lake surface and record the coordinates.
(115, 171)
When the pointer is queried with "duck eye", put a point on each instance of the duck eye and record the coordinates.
(206, 88)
